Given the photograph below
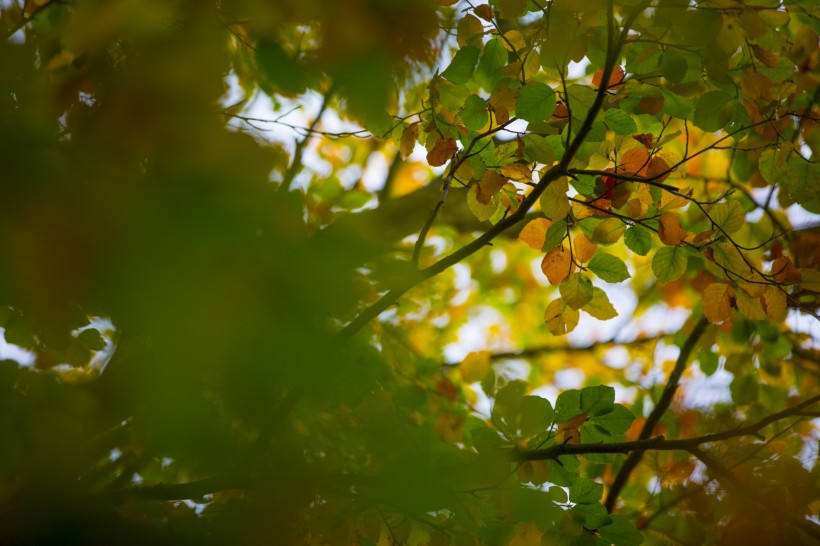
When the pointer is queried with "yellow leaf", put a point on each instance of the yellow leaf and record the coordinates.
(475, 366)
(608, 231)
(520, 172)
(515, 39)
(535, 232)
(670, 231)
(717, 302)
(671, 201)
(752, 308)
(560, 318)
(599, 306)
(774, 299)
(408, 140)
(554, 201)
(482, 211)
(809, 279)
(583, 248)
(557, 264)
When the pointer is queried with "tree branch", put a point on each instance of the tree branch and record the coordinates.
(296, 164)
(655, 416)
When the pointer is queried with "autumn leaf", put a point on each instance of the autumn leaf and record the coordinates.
(557, 264)
(535, 232)
(616, 78)
(635, 161)
(408, 139)
(599, 306)
(608, 231)
(475, 366)
(520, 172)
(576, 290)
(670, 231)
(560, 318)
(717, 302)
(583, 248)
(441, 153)
(489, 185)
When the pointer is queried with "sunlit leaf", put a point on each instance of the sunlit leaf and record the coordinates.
(608, 267)
(536, 102)
(557, 264)
(599, 306)
(560, 318)
(576, 290)
(669, 263)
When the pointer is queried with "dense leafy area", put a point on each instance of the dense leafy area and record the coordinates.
(407, 272)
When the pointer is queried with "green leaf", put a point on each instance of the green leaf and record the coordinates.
(585, 491)
(555, 234)
(597, 400)
(729, 216)
(599, 306)
(803, 180)
(576, 290)
(639, 240)
(537, 148)
(279, 68)
(708, 362)
(713, 111)
(675, 105)
(616, 421)
(674, 66)
(535, 102)
(567, 405)
(536, 415)
(91, 339)
(475, 114)
(620, 122)
(608, 267)
(462, 66)
(669, 263)
(584, 184)
(493, 59)
(621, 532)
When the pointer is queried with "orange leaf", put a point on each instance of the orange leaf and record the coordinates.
(658, 167)
(584, 248)
(615, 79)
(408, 140)
(557, 265)
(535, 232)
(783, 270)
(717, 302)
(561, 112)
(647, 139)
(441, 152)
(669, 230)
(635, 161)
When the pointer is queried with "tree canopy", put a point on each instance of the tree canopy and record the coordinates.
(410, 272)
